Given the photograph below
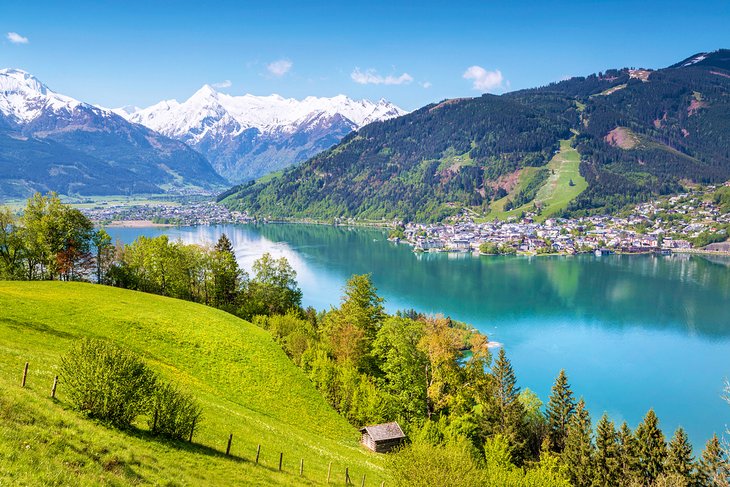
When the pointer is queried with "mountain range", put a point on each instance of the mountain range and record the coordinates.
(245, 137)
(52, 142)
(584, 145)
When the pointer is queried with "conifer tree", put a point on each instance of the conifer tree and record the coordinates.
(579, 452)
(227, 277)
(652, 448)
(559, 410)
(507, 412)
(628, 464)
(607, 454)
(679, 458)
(714, 468)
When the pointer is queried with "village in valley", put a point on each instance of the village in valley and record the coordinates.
(689, 222)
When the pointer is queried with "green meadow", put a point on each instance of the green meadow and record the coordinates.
(555, 194)
(244, 382)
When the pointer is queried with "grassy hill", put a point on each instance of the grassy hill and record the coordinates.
(555, 193)
(245, 384)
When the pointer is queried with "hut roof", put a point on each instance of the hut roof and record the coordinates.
(383, 432)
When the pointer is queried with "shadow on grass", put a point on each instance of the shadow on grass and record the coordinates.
(35, 326)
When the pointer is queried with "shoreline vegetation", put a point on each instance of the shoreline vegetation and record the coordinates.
(458, 402)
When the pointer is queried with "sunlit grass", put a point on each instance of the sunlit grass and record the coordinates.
(244, 382)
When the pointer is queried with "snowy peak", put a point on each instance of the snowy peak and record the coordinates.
(246, 136)
(266, 113)
(23, 97)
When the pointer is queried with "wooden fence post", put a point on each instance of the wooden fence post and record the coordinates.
(281, 459)
(258, 452)
(25, 374)
(192, 430)
(228, 448)
(53, 389)
(329, 471)
(301, 467)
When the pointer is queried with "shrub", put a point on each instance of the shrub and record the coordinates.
(107, 382)
(174, 414)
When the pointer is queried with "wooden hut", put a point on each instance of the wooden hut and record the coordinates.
(381, 438)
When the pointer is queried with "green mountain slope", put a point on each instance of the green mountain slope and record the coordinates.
(639, 133)
(244, 382)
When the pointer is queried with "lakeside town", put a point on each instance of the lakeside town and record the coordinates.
(683, 223)
(687, 222)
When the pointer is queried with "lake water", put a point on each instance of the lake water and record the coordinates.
(632, 332)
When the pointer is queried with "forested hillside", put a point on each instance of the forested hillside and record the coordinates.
(639, 133)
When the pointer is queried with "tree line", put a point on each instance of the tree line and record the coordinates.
(51, 240)
(438, 379)
(436, 376)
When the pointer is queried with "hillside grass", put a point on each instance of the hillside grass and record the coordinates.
(245, 384)
(555, 194)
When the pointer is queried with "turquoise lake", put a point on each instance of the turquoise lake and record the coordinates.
(632, 332)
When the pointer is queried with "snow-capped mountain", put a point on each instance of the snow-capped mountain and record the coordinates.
(52, 142)
(247, 136)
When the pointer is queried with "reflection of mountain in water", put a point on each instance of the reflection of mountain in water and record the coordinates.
(680, 291)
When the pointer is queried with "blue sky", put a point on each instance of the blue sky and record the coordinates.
(126, 52)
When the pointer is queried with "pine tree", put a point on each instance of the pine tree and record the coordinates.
(507, 413)
(579, 452)
(607, 454)
(714, 468)
(652, 448)
(227, 276)
(559, 410)
(628, 463)
(679, 458)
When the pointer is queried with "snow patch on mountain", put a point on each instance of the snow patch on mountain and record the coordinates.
(208, 108)
(246, 136)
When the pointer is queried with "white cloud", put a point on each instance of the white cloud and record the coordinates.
(223, 84)
(426, 84)
(16, 38)
(371, 77)
(279, 68)
(484, 80)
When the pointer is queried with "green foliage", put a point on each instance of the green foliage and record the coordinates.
(714, 465)
(427, 465)
(505, 411)
(273, 289)
(173, 414)
(652, 448)
(49, 241)
(560, 408)
(491, 248)
(708, 237)
(403, 364)
(579, 451)
(679, 457)
(722, 198)
(607, 458)
(228, 279)
(107, 382)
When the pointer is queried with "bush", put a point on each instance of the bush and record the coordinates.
(174, 414)
(107, 382)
